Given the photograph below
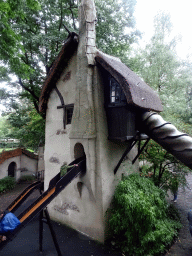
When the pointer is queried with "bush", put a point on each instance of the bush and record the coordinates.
(7, 183)
(25, 178)
(140, 221)
(163, 167)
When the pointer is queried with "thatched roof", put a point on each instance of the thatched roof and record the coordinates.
(16, 152)
(67, 51)
(137, 92)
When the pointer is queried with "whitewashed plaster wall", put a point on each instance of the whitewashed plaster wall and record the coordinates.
(57, 143)
(21, 161)
(75, 206)
(58, 147)
(108, 152)
(41, 162)
(83, 203)
(30, 164)
(4, 167)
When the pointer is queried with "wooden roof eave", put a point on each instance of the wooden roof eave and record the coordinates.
(137, 92)
(67, 51)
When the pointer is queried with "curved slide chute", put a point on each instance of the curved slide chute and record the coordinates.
(165, 134)
(56, 185)
(24, 195)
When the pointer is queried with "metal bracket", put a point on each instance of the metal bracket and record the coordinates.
(133, 141)
(140, 150)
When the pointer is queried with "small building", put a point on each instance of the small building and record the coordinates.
(17, 163)
(91, 101)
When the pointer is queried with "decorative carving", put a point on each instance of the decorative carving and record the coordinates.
(80, 187)
(54, 160)
(67, 76)
(61, 131)
(66, 206)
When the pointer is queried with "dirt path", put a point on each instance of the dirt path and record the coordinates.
(183, 245)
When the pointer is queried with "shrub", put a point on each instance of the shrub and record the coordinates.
(140, 221)
(7, 183)
(27, 178)
(161, 165)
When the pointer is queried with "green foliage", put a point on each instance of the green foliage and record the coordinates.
(5, 128)
(115, 27)
(7, 183)
(32, 34)
(26, 178)
(160, 67)
(163, 167)
(26, 125)
(141, 221)
(157, 63)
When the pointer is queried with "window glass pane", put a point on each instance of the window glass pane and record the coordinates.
(69, 114)
(115, 91)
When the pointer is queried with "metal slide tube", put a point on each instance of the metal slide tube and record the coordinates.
(164, 133)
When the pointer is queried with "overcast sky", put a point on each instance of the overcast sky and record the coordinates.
(181, 17)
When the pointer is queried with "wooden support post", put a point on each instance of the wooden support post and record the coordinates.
(62, 106)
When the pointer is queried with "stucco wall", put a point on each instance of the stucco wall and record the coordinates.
(5, 164)
(41, 163)
(57, 143)
(22, 162)
(29, 164)
(108, 152)
(83, 203)
(73, 207)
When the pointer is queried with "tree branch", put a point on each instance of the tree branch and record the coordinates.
(28, 90)
(36, 105)
(73, 18)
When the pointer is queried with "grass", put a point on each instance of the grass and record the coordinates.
(8, 149)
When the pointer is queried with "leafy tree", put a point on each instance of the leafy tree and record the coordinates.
(160, 67)
(157, 63)
(9, 41)
(115, 27)
(5, 128)
(27, 126)
(162, 167)
(32, 33)
(38, 30)
(40, 35)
